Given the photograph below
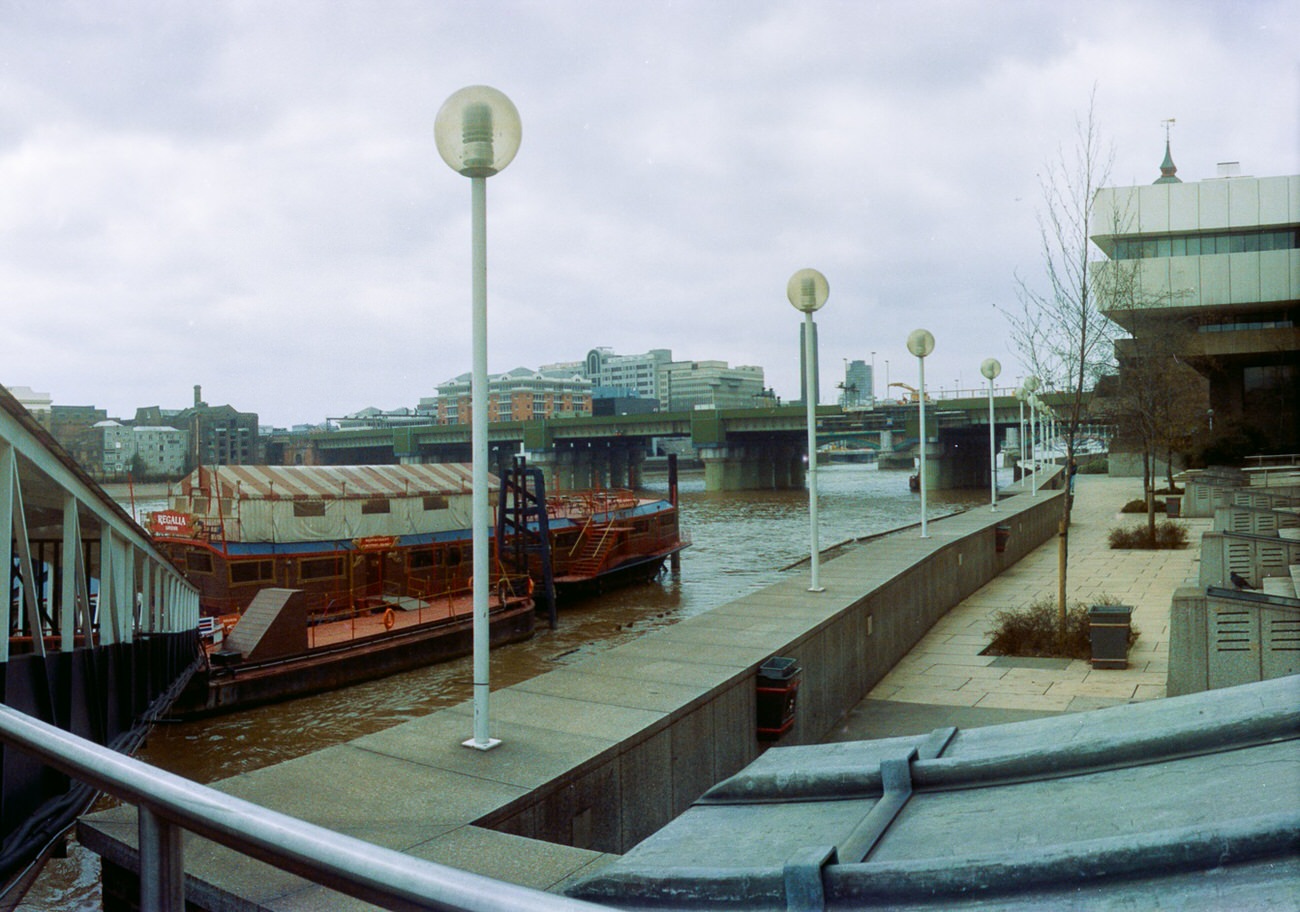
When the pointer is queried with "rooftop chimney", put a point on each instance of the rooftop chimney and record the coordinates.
(198, 391)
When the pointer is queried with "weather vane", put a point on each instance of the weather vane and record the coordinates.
(1168, 122)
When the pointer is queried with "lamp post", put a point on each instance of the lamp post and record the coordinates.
(807, 291)
(873, 380)
(921, 343)
(1020, 453)
(990, 369)
(1031, 384)
(477, 131)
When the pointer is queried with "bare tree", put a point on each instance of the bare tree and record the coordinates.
(1160, 403)
(1057, 326)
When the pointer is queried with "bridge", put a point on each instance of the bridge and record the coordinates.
(753, 448)
(99, 625)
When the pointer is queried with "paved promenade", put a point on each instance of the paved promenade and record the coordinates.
(945, 681)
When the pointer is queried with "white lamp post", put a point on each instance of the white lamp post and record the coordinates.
(807, 291)
(990, 369)
(1031, 384)
(1020, 455)
(921, 343)
(477, 131)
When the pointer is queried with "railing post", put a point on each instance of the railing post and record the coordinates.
(162, 869)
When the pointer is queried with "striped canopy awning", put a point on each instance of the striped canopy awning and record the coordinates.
(248, 482)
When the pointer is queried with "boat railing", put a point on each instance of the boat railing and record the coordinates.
(579, 504)
(169, 806)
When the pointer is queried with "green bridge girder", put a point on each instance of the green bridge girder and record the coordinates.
(704, 427)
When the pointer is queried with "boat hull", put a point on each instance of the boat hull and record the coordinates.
(243, 685)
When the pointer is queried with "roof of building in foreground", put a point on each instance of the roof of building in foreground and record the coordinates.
(1186, 803)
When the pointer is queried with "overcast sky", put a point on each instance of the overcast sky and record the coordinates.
(247, 196)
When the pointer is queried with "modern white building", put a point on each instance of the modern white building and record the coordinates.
(638, 374)
(709, 384)
(1214, 266)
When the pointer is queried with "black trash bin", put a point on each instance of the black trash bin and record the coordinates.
(778, 686)
(1174, 506)
(1108, 627)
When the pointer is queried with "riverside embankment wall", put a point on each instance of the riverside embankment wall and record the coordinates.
(880, 598)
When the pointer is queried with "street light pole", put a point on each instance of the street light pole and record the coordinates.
(990, 369)
(873, 380)
(477, 131)
(1031, 384)
(921, 343)
(807, 291)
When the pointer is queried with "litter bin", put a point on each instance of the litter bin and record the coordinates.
(1108, 627)
(778, 686)
(1002, 535)
(1174, 506)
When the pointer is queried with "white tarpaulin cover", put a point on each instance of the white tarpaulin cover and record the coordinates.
(314, 503)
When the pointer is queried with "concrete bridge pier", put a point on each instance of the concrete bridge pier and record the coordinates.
(752, 467)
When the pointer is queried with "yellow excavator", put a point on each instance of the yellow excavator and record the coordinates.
(913, 390)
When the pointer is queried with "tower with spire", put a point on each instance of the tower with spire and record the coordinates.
(1168, 169)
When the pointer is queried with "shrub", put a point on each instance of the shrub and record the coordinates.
(1097, 465)
(1168, 535)
(1032, 631)
(1140, 506)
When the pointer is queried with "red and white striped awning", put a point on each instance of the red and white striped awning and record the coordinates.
(248, 482)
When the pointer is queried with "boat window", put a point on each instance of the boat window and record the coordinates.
(453, 556)
(320, 568)
(377, 505)
(309, 508)
(435, 502)
(198, 561)
(200, 505)
(261, 571)
(422, 559)
(641, 525)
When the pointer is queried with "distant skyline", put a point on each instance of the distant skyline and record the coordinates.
(248, 197)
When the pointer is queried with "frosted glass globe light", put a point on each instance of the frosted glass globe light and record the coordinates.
(808, 290)
(991, 368)
(920, 342)
(477, 131)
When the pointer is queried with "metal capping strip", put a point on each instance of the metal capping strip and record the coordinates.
(803, 879)
(896, 785)
(804, 891)
(896, 778)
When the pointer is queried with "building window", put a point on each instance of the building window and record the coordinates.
(375, 505)
(1138, 248)
(245, 572)
(435, 502)
(320, 568)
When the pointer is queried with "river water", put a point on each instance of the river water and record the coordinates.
(741, 541)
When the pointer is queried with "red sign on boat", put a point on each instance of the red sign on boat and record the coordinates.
(375, 543)
(171, 522)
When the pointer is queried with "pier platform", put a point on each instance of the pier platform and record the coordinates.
(596, 756)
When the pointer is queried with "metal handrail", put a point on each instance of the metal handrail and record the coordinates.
(168, 804)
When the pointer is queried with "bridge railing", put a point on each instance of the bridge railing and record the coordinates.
(168, 805)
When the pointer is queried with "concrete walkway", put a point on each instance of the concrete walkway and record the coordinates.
(945, 681)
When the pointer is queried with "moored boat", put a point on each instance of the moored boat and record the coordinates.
(313, 577)
(371, 567)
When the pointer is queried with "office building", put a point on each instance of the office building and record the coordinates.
(1213, 268)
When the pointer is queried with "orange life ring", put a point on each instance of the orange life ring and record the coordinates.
(530, 586)
(389, 619)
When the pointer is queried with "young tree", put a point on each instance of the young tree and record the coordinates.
(1057, 326)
